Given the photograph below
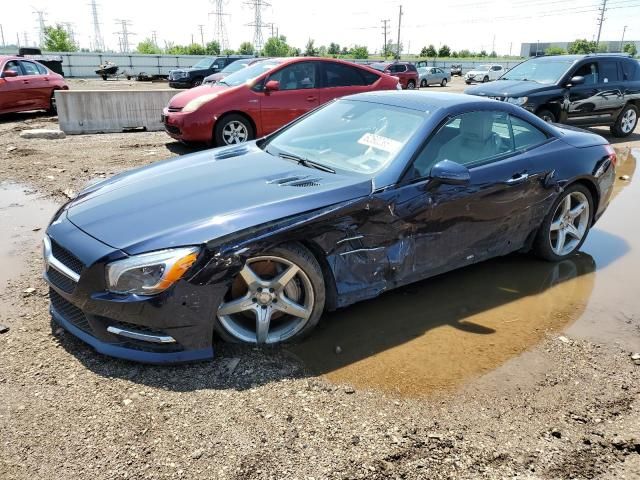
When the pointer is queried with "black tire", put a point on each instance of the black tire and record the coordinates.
(485, 79)
(542, 243)
(468, 83)
(305, 260)
(218, 135)
(423, 84)
(443, 83)
(547, 115)
(197, 82)
(411, 85)
(104, 77)
(617, 129)
(53, 108)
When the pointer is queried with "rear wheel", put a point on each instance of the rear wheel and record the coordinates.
(277, 297)
(565, 228)
(53, 108)
(626, 122)
(233, 129)
(424, 83)
(443, 83)
(546, 115)
(411, 85)
(197, 82)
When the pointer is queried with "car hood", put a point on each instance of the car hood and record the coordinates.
(182, 98)
(196, 198)
(477, 72)
(507, 88)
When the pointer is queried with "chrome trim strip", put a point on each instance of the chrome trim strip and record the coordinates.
(141, 336)
(349, 239)
(361, 250)
(55, 263)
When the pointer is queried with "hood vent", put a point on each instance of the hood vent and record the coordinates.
(296, 181)
(231, 152)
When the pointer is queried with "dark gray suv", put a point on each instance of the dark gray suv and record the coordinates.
(581, 90)
(194, 75)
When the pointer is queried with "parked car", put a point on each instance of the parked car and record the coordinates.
(433, 76)
(484, 74)
(456, 69)
(260, 99)
(231, 68)
(406, 72)
(194, 76)
(27, 85)
(254, 242)
(581, 90)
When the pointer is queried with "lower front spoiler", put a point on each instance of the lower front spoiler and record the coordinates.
(130, 354)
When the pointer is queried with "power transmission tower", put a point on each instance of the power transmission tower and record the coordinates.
(385, 30)
(154, 37)
(399, 22)
(68, 26)
(41, 25)
(603, 9)
(98, 41)
(257, 24)
(25, 37)
(124, 35)
(220, 27)
(201, 28)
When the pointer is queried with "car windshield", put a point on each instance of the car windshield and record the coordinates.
(422, 70)
(541, 71)
(349, 135)
(235, 66)
(250, 73)
(204, 63)
(379, 66)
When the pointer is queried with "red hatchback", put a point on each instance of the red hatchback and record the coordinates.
(263, 97)
(27, 85)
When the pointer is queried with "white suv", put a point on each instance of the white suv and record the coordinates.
(484, 73)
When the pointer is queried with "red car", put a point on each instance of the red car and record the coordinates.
(27, 85)
(405, 71)
(263, 97)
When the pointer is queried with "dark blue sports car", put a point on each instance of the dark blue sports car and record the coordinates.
(367, 193)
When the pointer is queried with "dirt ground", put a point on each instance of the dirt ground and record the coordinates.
(508, 369)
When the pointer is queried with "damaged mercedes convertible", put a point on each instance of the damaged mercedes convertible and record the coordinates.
(252, 243)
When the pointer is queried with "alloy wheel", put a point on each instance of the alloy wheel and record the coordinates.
(270, 301)
(569, 224)
(234, 132)
(628, 121)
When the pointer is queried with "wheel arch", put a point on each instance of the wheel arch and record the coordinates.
(593, 189)
(331, 290)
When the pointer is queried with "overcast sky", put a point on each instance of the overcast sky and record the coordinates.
(458, 23)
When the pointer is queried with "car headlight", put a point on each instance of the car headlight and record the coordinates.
(517, 100)
(196, 103)
(150, 273)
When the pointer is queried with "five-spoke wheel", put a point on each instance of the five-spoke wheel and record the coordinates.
(233, 129)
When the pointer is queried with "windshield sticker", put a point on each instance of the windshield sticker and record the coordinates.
(378, 141)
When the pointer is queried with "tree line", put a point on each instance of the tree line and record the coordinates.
(584, 46)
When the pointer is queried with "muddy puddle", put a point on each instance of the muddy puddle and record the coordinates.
(23, 217)
(441, 332)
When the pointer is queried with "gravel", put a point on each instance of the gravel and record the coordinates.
(561, 410)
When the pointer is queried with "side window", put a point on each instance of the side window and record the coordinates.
(296, 77)
(220, 63)
(628, 69)
(369, 77)
(609, 71)
(496, 68)
(525, 135)
(439, 70)
(41, 69)
(338, 75)
(30, 68)
(470, 139)
(12, 66)
(590, 73)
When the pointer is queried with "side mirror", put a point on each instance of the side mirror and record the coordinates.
(9, 73)
(577, 80)
(272, 86)
(450, 173)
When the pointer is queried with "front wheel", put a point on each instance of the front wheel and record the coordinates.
(277, 297)
(547, 115)
(197, 82)
(443, 83)
(411, 85)
(565, 228)
(424, 84)
(485, 79)
(233, 129)
(53, 108)
(626, 122)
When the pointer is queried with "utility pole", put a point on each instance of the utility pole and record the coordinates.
(201, 27)
(385, 26)
(493, 44)
(510, 47)
(621, 40)
(2, 35)
(601, 21)
(399, 23)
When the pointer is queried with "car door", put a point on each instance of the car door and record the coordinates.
(496, 72)
(489, 216)
(338, 80)
(432, 76)
(37, 83)
(13, 95)
(584, 102)
(297, 94)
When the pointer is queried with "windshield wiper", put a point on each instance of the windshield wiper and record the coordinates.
(305, 162)
(222, 82)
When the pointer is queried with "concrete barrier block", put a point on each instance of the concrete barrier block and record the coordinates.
(111, 111)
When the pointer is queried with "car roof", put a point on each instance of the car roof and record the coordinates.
(417, 100)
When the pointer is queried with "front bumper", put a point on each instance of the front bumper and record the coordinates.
(188, 126)
(174, 326)
(180, 83)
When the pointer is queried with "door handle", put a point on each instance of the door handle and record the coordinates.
(517, 178)
(25, 81)
(311, 98)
